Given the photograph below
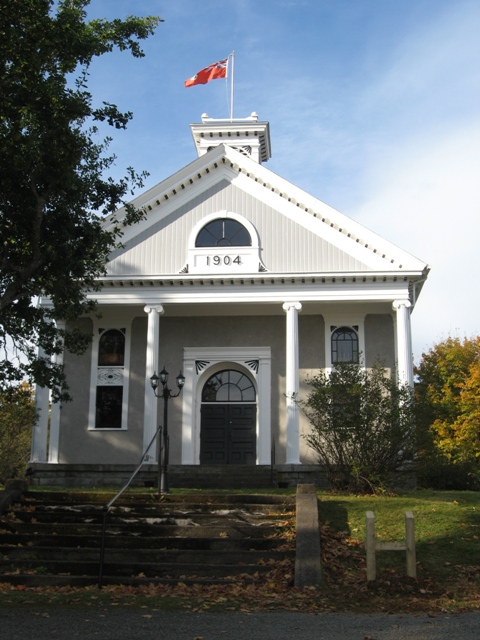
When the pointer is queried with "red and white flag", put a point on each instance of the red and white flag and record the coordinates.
(216, 70)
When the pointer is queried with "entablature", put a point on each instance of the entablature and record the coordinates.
(271, 288)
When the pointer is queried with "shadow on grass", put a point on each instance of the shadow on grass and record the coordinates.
(334, 514)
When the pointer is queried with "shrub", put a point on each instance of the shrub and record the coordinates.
(362, 426)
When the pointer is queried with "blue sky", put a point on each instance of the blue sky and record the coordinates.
(374, 108)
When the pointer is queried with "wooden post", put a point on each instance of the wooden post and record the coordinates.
(410, 538)
(370, 546)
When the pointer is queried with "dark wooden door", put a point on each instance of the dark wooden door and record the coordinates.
(228, 434)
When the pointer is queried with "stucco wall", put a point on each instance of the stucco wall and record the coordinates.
(137, 385)
(74, 415)
(379, 340)
(311, 359)
(80, 445)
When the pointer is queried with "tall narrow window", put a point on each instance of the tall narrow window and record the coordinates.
(344, 345)
(110, 377)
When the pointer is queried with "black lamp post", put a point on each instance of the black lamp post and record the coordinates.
(166, 394)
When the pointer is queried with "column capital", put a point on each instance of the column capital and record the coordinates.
(292, 305)
(154, 307)
(396, 304)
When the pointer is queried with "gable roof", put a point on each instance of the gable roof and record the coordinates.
(225, 163)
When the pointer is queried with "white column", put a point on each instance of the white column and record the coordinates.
(190, 436)
(264, 435)
(150, 414)
(40, 429)
(404, 342)
(292, 383)
(53, 443)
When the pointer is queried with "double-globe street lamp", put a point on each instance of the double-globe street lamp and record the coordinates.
(163, 448)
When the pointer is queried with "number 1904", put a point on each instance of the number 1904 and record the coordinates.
(226, 260)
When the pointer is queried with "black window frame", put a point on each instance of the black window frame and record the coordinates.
(109, 398)
(343, 336)
(223, 232)
(226, 382)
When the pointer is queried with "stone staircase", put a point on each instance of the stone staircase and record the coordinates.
(54, 538)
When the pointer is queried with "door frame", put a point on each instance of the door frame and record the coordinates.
(199, 364)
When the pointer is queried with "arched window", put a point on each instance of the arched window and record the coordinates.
(344, 345)
(228, 386)
(223, 232)
(111, 349)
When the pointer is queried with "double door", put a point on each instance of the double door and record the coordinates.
(228, 434)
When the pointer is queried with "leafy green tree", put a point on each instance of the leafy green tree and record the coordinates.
(55, 190)
(362, 426)
(448, 414)
(17, 417)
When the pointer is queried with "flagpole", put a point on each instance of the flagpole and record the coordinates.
(232, 55)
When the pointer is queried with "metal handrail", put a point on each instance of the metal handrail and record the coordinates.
(106, 508)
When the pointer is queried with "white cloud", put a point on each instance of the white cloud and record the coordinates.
(420, 181)
(427, 200)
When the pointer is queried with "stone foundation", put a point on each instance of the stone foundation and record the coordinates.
(192, 476)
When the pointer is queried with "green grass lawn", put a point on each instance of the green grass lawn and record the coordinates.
(447, 526)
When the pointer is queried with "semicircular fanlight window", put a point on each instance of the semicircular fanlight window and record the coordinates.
(223, 232)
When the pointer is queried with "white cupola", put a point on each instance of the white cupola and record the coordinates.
(247, 135)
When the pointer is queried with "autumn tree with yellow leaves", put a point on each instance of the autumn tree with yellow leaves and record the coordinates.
(17, 417)
(448, 414)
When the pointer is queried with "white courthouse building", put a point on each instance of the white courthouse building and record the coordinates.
(248, 285)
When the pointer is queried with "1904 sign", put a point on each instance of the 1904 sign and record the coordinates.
(210, 260)
(225, 259)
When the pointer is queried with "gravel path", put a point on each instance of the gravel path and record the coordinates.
(120, 624)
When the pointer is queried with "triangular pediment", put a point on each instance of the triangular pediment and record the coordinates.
(297, 232)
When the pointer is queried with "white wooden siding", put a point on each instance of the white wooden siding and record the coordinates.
(286, 246)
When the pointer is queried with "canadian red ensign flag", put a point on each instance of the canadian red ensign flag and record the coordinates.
(216, 70)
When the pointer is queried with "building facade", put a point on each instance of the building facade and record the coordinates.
(248, 285)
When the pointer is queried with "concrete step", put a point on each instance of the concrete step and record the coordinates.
(202, 513)
(132, 569)
(148, 530)
(58, 580)
(32, 542)
(37, 556)
(57, 536)
(72, 499)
